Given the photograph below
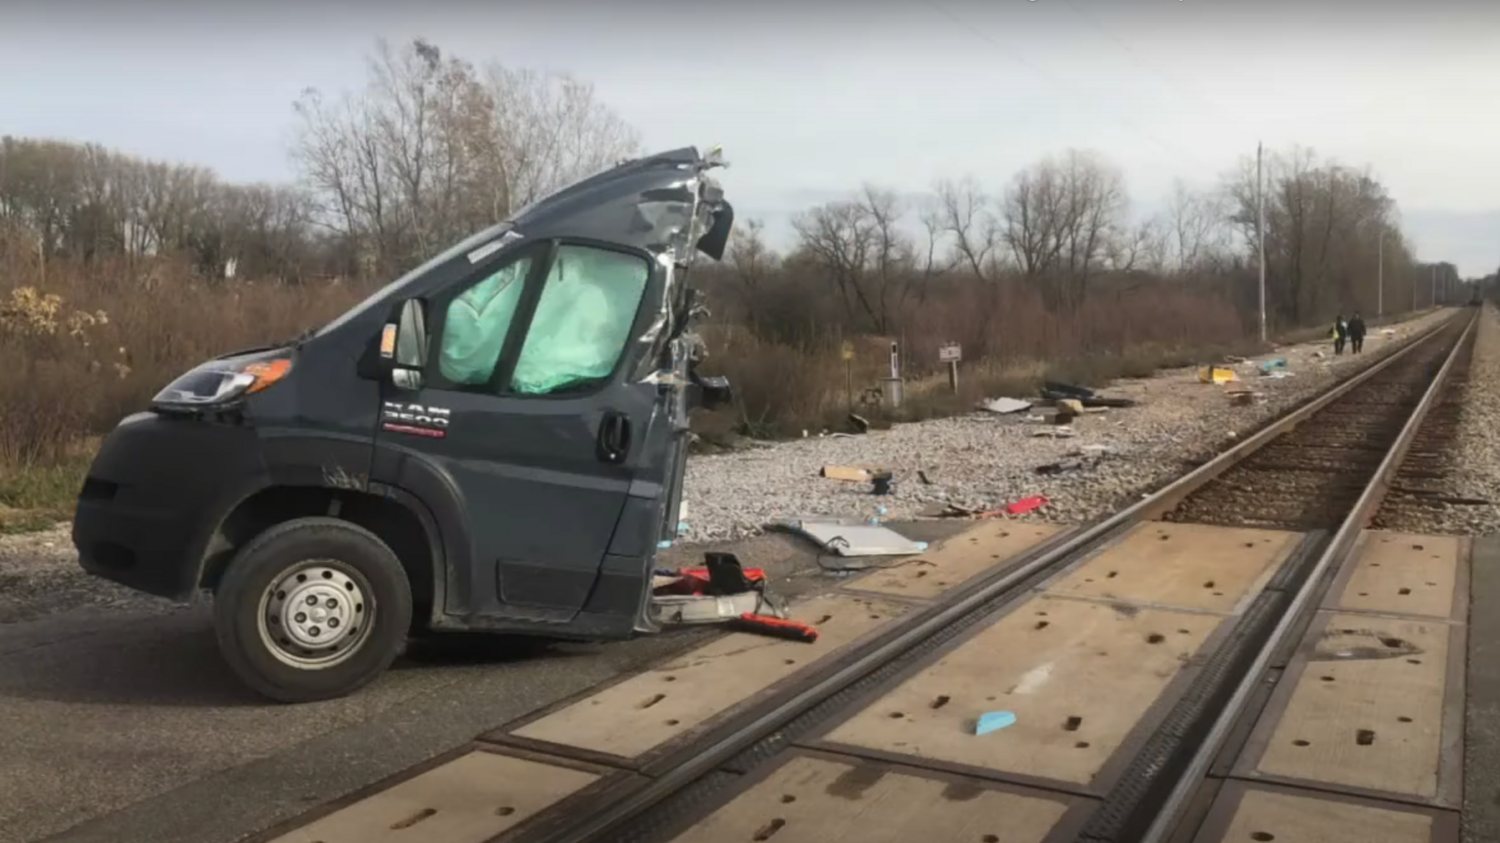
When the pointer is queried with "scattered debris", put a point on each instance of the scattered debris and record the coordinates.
(860, 423)
(775, 627)
(1067, 410)
(953, 510)
(1279, 374)
(922, 475)
(994, 721)
(880, 478)
(1216, 374)
(1064, 432)
(1271, 365)
(721, 591)
(1025, 505)
(1061, 467)
(1067, 390)
(692, 609)
(1087, 401)
(1004, 406)
(846, 538)
(847, 473)
(1086, 457)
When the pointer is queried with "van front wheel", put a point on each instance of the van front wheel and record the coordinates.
(312, 609)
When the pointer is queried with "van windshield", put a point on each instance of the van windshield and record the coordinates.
(466, 245)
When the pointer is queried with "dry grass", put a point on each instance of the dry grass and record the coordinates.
(86, 345)
(1011, 344)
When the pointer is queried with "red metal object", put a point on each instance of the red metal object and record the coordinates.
(776, 627)
(1025, 505)
(696, 581)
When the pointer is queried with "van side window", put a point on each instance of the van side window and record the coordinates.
(477, 323)
(583, 321)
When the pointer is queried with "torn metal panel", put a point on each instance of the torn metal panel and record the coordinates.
(854, 539)
(689, 609)
(1004, 406)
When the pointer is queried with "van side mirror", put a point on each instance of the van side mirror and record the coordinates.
(403, 346)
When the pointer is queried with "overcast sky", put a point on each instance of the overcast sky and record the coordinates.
(810, 99)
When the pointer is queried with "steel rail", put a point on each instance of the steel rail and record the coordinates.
(1175, 806)
(912, 632)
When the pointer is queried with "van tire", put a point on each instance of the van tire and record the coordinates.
(246, 608)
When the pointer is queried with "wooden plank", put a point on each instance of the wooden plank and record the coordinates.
(651, 708)
(1404, 574)
(812, 800)
(1181, 565)
(1079, 675)
(1367, 711)
(467, 800)
(956, 559)
(1288, 818)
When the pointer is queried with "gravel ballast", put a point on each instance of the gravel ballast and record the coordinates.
(1472, 460)
(984, 460)
(980, 460)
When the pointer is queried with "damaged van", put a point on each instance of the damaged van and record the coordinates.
(493, 442)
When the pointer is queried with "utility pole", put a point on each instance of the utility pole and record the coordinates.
(1380, 277)
(1260, 233)
(1432, 296)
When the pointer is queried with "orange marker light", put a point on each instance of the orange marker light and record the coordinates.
(388, 341)
(267, 372)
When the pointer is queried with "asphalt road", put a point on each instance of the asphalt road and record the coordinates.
(121, 723)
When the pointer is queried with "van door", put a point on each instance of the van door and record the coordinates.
(527, 408)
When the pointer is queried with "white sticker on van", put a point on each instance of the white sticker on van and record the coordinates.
(485, 251)
(494, 246)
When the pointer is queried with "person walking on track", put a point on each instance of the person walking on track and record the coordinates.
(1357, 333)
(1340, 333)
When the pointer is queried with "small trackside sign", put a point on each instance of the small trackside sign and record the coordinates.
(415, 419)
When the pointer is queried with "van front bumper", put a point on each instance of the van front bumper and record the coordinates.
(155, 495)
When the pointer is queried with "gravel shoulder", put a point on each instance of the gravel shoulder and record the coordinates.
(1472, 459)
(985, 460)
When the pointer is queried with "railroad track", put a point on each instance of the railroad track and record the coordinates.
(1422, 481)
(1323, 469)
(1228, 564)
(1309, 477)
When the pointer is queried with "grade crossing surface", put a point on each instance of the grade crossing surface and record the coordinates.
(1120, 648)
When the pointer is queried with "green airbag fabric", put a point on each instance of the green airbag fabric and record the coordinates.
(581, 325)
(477, 324)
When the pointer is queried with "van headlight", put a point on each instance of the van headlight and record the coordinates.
(220, 382)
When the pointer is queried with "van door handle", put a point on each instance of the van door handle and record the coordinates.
(614, 437)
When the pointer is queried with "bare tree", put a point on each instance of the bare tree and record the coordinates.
(752, 262)
(861, 247)
(1060, 219)
(976, 231)
(432, 149)
(549, 130)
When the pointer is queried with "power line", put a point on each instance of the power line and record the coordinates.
(1182, 90)
(1010, 53)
